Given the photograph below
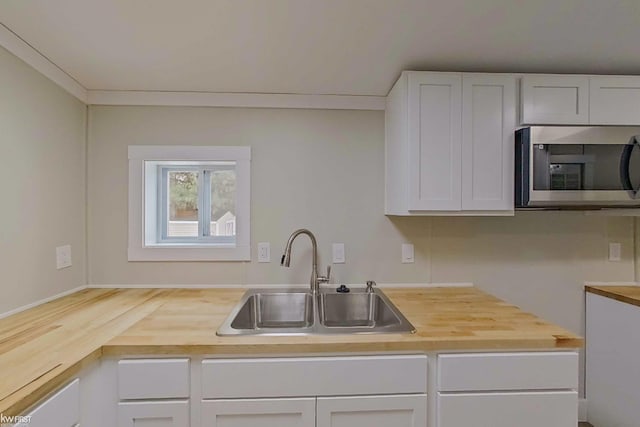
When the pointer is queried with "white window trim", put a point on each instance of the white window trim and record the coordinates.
(138, 251)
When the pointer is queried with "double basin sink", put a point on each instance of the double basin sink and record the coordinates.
(296, 312)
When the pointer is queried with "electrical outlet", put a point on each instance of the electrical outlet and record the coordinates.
(338, 253)
(407, 253)
(615, 251)
(63, 256)
(264, 252)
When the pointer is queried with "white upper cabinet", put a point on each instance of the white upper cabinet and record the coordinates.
(435, 141)
(449, 144)
(488, 124)
(580, 100)
(555, 99)
(614, 100)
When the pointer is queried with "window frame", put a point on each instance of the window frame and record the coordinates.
(145, 198)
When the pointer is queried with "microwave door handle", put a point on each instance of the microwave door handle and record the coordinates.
(625, 167)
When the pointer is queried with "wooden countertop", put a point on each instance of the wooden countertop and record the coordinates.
(45, 346)
(628, 294)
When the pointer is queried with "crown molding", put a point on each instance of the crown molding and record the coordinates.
(27, 53)
(246, 100)
(23, 50)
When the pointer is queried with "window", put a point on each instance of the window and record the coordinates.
(189, 203)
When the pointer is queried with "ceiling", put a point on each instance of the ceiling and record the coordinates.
(346, 47)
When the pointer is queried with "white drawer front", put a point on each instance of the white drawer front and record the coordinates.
(314, 376)
(534, 409)
(153, 378)
(60, 410)
(508, 371)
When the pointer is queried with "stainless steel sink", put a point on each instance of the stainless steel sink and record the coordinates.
(356, 310)
(292, 312)
(274, 311)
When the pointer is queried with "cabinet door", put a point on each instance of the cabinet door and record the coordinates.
(434, 141)
(561, 100)
(60, 410)
(162, 413)
(488, 128)
(259, 412)
(525, 409)
(614, 100)
(612, 379)
(373, 411)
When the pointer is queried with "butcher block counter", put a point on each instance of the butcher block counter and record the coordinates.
(628, 294)
(43, 347)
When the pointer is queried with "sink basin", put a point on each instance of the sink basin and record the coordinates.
(293, 312)
(356, 310)
(275, 310)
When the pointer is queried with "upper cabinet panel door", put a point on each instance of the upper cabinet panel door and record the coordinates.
(488, 125)
(373, 411)
(614, 100)
(434, 129)
(549, 100)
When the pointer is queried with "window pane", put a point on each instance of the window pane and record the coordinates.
(183, 204)
(223, 203)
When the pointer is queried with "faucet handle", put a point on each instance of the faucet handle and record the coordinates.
(370, 285)
(325, 279)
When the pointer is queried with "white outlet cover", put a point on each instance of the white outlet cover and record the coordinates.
(63, 256)
(407, 253)
(264, 252)
(338, 253)
(615, 251)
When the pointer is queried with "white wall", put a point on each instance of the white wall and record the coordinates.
(42, 185)
(324, 170)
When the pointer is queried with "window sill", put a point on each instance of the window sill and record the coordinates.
(189, 253)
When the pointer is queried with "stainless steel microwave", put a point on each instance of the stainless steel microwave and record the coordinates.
(560, 167)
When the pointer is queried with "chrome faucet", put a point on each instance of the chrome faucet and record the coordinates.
(286, 260)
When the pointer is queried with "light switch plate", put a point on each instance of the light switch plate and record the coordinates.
(615, 251)
(63, 256)
(338, 253)
(264, 252)
(407, 253)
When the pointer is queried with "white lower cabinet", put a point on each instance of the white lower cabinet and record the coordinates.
(500, 389)
(344, 411)
(612, 379)
(60, 410)
(339, 391)
(520, 389)
(508, 409)
(164, 413)
(372, 411)
(299, 412)
(153, 392)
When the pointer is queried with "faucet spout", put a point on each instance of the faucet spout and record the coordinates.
(286, 258)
